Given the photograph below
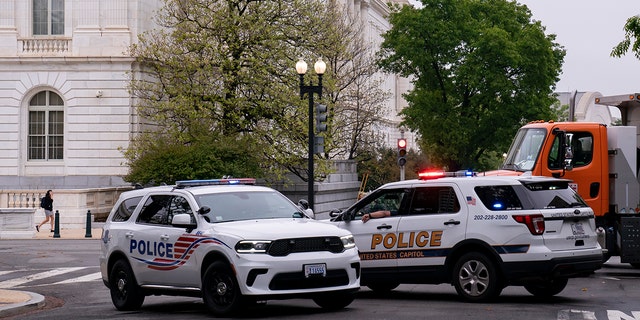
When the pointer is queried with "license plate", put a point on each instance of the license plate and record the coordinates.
(319, 269)
(577, 228)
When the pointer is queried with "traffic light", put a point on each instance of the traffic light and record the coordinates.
(321, 117)
(318, 145)
(402, 152)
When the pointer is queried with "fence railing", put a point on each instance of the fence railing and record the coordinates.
(40, 46)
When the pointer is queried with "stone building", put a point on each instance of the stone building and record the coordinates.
(65, 111)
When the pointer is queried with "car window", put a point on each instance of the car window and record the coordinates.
(581, 146)
(233, 206)
(552, 195)
(125, 209)
(428, 200)
(179, 205)
(498, 198)
(155, 210)
(384, 199)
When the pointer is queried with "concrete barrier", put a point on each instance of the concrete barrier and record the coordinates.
(17, 223)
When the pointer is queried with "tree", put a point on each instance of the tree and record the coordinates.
(218, 76)
(354, 92)
(481, 69)
(630, 42)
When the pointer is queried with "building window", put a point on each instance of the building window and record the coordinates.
(46, 127)
(48, 17)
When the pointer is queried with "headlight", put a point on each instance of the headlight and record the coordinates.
(348, 242)
(252, 246)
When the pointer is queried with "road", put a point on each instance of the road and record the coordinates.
(66, 272)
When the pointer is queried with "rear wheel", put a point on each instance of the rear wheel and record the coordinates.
(126, 295)
(475, 278)
(547, 288)
(334, 301)
(221, 291)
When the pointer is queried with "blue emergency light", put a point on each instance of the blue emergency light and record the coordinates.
(214, 182)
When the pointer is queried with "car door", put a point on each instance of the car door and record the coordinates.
(161, 253)
(435, 222)
(376, 238)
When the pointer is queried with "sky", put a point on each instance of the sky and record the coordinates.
(588, 30)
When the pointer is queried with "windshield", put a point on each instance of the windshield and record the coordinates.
(525, 149)
(233, 206)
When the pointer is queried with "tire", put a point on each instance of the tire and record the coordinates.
(475, 278)
(126, 295)
(334, 301)
(549, 288)
(383, 287)
(221, 292)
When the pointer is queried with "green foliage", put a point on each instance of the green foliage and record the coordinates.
(481, 69)
(219, 77)
(630, 42)
(164, 161)
(381, 166)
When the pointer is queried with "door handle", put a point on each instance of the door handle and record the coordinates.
(454, 222)
(164, 237)
(384, 226)
(129, 235)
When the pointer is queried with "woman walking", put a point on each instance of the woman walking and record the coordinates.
(47, 204)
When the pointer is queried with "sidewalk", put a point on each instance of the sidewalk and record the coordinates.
(14, 302)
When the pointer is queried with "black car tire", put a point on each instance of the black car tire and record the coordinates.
(549, 288)
(475, 278)
(334, 301)
(126, 295)
(221, 292)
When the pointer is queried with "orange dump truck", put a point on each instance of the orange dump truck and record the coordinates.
(602, 162)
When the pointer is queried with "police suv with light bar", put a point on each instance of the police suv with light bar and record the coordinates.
(228, 241)
(480, 234)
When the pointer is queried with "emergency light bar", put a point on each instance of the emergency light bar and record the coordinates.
(435, 174)
(214, 182)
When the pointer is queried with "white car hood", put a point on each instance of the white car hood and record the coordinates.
(272, 229)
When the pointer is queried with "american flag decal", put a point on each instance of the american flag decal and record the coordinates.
(471, 200)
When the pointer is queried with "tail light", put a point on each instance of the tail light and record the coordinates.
(535, 222)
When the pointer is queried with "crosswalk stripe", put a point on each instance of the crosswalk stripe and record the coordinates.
(86, 278)
(42, 275)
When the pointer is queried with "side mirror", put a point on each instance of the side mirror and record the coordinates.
(204, 210)
(334, 213)
(304, 204)
(567, 152)
(183, 220)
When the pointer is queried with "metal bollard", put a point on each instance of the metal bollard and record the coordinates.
(88, 233)
(56, 229)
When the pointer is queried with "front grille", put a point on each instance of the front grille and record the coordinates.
(283, 247)
(297, 280)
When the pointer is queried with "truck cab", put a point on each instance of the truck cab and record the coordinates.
(600, 159)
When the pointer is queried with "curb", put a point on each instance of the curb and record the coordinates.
(21, 302)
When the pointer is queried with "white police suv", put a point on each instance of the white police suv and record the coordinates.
(227, 241)
(480, 234)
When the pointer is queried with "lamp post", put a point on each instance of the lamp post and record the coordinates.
(301, 68)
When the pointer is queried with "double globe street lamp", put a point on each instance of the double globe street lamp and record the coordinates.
(320, 67)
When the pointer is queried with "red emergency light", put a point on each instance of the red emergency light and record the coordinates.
(431, 174)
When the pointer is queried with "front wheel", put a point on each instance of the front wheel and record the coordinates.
(334, 301)
(383, 287)
(221, 292)
(126, 295)
(475, 278)
(549, 288)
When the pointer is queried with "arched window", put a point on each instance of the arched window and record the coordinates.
(46, 127)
